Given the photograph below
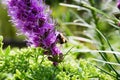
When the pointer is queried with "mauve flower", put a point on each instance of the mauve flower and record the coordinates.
(118, 4)
(32, 18)
(55, 50)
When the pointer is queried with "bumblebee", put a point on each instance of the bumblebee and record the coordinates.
(61, 38)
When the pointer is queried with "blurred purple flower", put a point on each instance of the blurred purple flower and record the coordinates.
(32, 18)
(118, 4)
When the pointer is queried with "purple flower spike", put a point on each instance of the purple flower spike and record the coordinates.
(118, 4)
(32, 18)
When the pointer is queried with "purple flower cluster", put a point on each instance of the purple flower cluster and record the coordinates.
(32, 18)
(118, 4)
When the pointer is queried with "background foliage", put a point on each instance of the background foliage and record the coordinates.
(30, 64)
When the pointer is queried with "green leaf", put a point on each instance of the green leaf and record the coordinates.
(7, 51)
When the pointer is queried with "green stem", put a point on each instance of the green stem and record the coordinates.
(105, 71)
(97, 10)
(108, 44)
(100, 35)
(109, 65)
(94, 15)
(104, 58)
(113, 50)
(68, 51)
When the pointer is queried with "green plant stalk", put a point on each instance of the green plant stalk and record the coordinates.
(112, 50)
(96, 23)
(97, 11)
(109, 65)
(104, 58)
(105, 71)
(93, 11)
(108, 45)
(104, 55)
